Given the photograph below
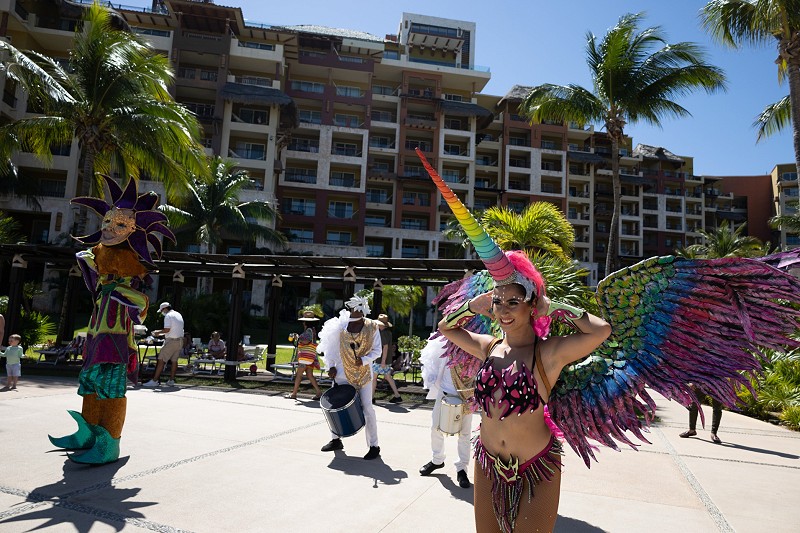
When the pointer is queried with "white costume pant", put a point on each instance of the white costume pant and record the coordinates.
(437, 438)
(370, 421)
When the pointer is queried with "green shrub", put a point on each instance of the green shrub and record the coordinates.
(412, 344)
(791, 417)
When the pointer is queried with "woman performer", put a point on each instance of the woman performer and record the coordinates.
(518, 455)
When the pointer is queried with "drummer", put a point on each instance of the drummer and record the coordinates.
(442, 381)
(348, 344)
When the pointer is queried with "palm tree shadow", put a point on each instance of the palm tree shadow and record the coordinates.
(70, 500)
(377, 470)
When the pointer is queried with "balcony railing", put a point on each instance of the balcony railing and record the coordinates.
(300, 177)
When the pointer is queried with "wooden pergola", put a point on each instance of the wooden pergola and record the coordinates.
(276, 269)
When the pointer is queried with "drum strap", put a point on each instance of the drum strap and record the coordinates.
(464, 387)
(538, 357)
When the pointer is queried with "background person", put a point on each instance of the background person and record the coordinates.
(307, 359)
(173, 344)
(13, 355)
(716, 417)
(216, 346)
(384, 367)
(440, 380)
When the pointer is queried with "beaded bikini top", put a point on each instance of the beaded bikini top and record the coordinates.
(518, 394)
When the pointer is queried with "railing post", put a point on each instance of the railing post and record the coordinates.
(274, 307)
(235, 323)
(377, 298)
(17, 280)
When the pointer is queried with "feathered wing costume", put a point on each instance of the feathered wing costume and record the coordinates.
(674, 321)
(114, 272)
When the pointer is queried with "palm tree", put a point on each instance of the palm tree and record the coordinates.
(773, 118)
(756, 22)
(401, 299)
(541, 226)
(9, 230)
(726, 241)
(114, 99)
(636, 76)
(790, 222)
(211, 209)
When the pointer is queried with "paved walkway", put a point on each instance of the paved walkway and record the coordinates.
(222, 461)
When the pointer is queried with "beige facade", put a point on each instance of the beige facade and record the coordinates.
(326, 120)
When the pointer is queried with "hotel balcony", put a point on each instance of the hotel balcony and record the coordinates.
(254, 55)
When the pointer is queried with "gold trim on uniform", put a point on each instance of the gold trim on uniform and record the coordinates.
(352, 345)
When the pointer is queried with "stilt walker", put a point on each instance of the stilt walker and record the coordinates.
(115, 269)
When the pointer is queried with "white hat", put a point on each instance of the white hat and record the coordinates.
(358, 303)
(163, 305)
(308, 316)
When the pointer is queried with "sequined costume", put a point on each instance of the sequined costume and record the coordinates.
(514, 392)
(339, 348)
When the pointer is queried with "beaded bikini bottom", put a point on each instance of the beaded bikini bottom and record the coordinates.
(509, 479)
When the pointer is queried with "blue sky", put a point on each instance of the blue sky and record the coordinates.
(529, 42)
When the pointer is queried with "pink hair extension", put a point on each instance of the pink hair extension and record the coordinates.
(523, 265)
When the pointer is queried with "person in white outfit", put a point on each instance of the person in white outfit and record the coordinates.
(173, 344)
(348, 344)
(438, 378)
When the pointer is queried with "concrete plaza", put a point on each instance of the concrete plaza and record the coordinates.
(203, 460)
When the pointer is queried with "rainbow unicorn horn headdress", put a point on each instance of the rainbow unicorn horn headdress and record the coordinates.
(498, 265)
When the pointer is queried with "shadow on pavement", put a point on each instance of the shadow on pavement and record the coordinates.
(564, 524)
(467, 495)
(760, 450)
(376, 469)
(75, 492)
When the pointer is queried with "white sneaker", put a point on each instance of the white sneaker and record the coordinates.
(170, 383)
(151, 384)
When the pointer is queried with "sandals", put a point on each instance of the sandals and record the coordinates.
(317, 397)
(689, 433)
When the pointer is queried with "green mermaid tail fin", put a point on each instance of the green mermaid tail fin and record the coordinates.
(82, 439)
(105, 449)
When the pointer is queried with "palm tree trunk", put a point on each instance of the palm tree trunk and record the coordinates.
(612, 253)
(87, 176)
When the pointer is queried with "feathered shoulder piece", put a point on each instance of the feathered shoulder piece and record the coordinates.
(674, 321)
(448, 300)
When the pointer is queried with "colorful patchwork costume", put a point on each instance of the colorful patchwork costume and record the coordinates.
(114, 272)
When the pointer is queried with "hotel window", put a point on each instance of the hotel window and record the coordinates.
(341, 238)
(340, 209)
(299, 235)
(308, 87)
(343, 179)
(299, 206)
(351, 92)
(345, 120)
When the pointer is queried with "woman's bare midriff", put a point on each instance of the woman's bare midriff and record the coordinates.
(521, 436)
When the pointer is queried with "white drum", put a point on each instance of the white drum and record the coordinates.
(451, 415)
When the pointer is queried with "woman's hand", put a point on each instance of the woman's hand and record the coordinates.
(482, 304)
